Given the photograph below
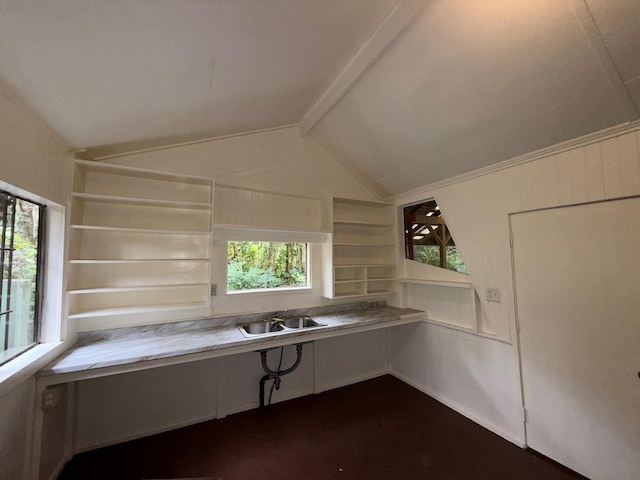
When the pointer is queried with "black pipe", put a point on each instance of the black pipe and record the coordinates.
(275, 375)
(262, 382)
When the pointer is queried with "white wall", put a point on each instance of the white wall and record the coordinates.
(16, 414)
(33, 157)
(34, 160)
(477, 375)
(276, 160)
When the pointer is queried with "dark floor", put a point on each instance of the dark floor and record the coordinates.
(379, 429)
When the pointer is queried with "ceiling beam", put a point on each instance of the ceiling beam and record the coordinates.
(389, 30)
(603, 55)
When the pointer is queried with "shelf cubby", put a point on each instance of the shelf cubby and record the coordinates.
(361, 250)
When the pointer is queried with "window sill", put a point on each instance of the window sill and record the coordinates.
(24, 366)
(271, 291)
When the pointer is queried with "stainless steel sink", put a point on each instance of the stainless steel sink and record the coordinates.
(280, 326)
(301, 322)
(259, 328)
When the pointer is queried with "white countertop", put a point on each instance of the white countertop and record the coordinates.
(124, 350)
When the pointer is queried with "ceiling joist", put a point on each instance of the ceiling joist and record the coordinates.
(604, 57)
(384, 36)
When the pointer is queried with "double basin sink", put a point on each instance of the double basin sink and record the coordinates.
(277, 325)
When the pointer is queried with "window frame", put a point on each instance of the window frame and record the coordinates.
(274, 290)
(443, 245)
(39, 278)
(57, 333)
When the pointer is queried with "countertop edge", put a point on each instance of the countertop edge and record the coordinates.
(49, 376)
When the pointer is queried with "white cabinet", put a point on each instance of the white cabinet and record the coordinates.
(360, 259)
(139, 246)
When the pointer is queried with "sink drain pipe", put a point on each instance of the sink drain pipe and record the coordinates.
(275, 375)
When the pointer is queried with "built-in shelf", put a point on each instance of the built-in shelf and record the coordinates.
(133, 288)
(140, 201)
(438, 283)
(362, 224)
(119, 217)
(360, 255)
(451, 304)
(139, 230)
(106, 312)
(138, 260)
(366, 245)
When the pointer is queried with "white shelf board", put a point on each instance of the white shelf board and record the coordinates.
(376, 245)
(364, 265)
(115, 169)
(385, 265)
(368, 294)
(355, 280)
(99, 228)
(140, 309)
(139, 288)
(436, 283)
(138, 260)
(141, 201)
(355, 223)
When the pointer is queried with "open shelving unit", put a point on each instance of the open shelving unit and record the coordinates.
(140, 246)
(361, 251)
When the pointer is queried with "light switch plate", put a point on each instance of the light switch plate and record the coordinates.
(493, 295)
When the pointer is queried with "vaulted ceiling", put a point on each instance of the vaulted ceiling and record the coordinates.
(406, 92)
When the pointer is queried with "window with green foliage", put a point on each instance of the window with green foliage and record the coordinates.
(428, 239)
(20, 256)
(266, 265)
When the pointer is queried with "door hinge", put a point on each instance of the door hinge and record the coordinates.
(526, 415)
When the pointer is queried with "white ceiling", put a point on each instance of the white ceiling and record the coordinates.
(104, 72)
(474, 83)
(468, 83)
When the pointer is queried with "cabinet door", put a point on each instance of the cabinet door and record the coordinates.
(577, 272)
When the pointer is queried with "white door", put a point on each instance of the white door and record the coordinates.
(577, 277)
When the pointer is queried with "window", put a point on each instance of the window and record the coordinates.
(255, 266)
(21, 231)
(427, 238)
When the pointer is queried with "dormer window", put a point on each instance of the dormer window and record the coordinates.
(428, 239)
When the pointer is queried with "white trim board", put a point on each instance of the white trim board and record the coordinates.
(420, 193)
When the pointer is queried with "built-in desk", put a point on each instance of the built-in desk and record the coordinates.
(121, 350)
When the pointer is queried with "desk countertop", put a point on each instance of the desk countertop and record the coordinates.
(139, 348)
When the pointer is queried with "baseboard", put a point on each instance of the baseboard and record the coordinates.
(351, 380)
(461, 410)
(146, 433)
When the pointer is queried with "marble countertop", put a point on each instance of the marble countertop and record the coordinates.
(188, 341)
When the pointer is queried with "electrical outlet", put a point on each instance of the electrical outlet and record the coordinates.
(214, 290)
(51, 397)
(493, 294)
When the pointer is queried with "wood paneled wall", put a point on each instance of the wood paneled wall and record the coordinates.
(16, 417)
(278, 161)
(479, 376)
(477, 210)
(243, 206)
(33, 157)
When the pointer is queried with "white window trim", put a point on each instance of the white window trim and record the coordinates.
(227, 233)
(278, 290)
(53, 326)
